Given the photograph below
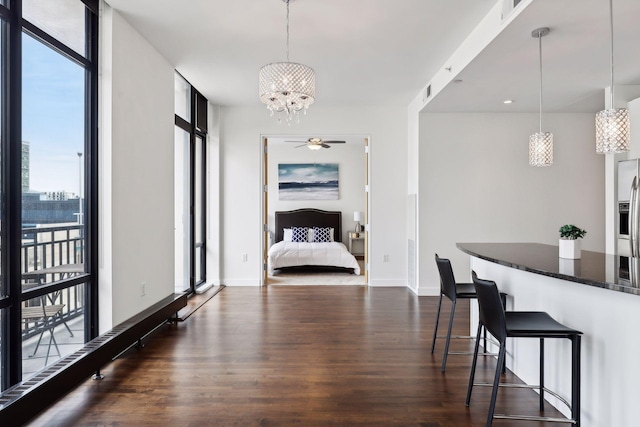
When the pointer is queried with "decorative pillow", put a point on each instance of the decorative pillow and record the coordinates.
(287, 235)
(321, 234)
(299, 234)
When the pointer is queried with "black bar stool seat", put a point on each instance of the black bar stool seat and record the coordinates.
(523, 324)
(465, 290)
(536, 324)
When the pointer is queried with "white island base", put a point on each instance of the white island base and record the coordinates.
(610, 321)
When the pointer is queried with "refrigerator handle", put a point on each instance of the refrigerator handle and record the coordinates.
(633, 220)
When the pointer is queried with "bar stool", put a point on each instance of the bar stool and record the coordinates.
(453, 291)
(523, 324)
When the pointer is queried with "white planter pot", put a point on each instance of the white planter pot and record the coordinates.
(569, 249)
(570, 267)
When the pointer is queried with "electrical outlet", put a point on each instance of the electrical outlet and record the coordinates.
(385, 258)
(143, 289)
(244, 257)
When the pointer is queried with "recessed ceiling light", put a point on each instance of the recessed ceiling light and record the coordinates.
(508, 101)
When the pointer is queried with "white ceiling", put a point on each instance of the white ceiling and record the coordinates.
(576, 60)
(381, 52)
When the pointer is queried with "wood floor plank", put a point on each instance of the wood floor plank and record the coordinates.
(295, 355)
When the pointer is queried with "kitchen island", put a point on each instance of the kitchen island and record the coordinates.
(589, 294)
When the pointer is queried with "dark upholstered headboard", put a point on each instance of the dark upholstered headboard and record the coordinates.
(309, 218)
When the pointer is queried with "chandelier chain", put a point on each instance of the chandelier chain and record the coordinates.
(288, 30)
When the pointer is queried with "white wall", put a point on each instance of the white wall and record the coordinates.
(350, 159)
(136, 172)
(241, 157)
(476, 185)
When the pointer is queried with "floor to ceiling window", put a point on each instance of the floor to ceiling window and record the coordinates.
(190, 186)
(48, 294)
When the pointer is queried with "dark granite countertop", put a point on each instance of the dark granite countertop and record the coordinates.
(590, 269)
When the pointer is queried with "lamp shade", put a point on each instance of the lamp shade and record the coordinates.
(541, 149)
(357, 216)
(613, 131)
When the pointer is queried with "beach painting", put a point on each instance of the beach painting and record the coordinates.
(308, 181)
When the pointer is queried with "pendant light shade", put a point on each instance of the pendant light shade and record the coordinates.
(541, 149)
(540, 143)
(613, 129)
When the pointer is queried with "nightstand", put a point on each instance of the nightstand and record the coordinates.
(359, 243)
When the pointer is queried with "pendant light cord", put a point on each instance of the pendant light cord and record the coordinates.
(540, 57)
(611, 104)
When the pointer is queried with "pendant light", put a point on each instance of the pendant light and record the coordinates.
(613, 130)
(540, 143)
(287, 87)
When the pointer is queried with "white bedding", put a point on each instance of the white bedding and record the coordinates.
(291, 254)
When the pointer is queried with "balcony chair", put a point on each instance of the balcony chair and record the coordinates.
(42, 316)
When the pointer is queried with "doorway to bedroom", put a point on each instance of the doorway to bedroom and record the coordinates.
(326, 177)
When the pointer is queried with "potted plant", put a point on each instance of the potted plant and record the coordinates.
(569, 244)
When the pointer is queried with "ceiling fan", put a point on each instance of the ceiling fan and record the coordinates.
(317, 143)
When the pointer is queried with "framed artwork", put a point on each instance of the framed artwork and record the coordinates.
(308, 181)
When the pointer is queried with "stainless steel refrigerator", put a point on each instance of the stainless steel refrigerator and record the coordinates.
(629, 208)
(628, 227)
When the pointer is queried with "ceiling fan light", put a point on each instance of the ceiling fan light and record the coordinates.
(613, 131)
(314, 147)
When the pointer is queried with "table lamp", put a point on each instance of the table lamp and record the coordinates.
(357, 217)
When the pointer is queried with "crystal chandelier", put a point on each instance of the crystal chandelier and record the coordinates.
(540, 143)
(613, 130)
(287, 87)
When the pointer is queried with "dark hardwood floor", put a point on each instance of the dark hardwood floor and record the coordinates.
(295, 355)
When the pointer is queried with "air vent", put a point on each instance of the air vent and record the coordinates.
(426, 94)
(508, 7)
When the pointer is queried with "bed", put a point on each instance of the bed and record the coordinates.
(319, 246)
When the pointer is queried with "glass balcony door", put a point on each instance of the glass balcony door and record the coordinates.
(48, 193)
(199, 211)
(190, 187)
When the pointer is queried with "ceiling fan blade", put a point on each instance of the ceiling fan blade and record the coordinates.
(298, 146)
(299, 142)
(325, 145)
(334, 142)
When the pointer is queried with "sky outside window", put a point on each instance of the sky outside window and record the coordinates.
(52, 117)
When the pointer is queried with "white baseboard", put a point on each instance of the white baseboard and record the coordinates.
(427, 291)
(204, 288)
(388, 283)
(241, 282)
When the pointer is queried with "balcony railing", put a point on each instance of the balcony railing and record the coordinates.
(50, 254)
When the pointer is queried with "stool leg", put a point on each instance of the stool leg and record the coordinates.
(496, 383)
(446, 346)
(541, 374)
(503, 299)
(473, 364)
(484, 340)
(575, 379)
(435, 330)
